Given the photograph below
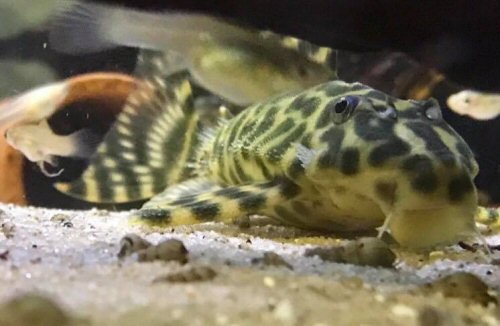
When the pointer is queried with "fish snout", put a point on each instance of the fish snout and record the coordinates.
(443, 180)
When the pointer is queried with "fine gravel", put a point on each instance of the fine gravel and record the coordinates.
(71, 257)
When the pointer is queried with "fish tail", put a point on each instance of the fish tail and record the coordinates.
(489, 216)
(150, 145)
(82, 28)
(88, 27)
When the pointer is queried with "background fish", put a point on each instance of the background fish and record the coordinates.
(40, 103)
(33, 105)
(458, 38)
(241, 65)
(40, 144)
(478, 105)
(59, 124)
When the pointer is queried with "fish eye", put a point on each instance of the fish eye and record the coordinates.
(433, 113)
(467, 100)
(344, 107)
(346, 103)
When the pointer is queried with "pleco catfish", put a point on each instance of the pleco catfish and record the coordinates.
(337, 156)
(478, 105)
(241, 65)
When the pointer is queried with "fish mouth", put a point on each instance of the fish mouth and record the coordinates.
(427, 227)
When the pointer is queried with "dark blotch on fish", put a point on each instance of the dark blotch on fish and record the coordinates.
(424, 178)
(349, 161)
(394, 147)
(204, 210)
(252, 202)
(459, 187)
(155, 214)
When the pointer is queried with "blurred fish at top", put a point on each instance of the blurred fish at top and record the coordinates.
(241, 65)
(458, 38)
(17, 16)
(478, 105)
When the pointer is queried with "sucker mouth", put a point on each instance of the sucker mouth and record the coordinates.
(430, 226)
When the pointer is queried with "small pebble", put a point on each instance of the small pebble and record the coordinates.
(379, 298)
(32, 310)
(131, 243)
(402, 310)
(466, 246)
(431, 316)
(363, 252)
(62, 219)
(353, 282)
(269, 282)
(436, 254)
(168, 250)
(8, 229)
(285, 312)
(4, 255)
(462, 285)
(3, 215)
(272, 259)
(243, 222)
(193, 274)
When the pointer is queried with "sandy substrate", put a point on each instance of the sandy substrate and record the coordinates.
(73, 260)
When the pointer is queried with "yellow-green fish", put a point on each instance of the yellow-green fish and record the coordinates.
(338, 157)
(241, 65)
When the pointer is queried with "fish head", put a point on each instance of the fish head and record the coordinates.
(29, 139)
(479, 106)
(402, 156)
(462, 101)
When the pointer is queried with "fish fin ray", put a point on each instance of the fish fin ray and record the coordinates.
(80, 29)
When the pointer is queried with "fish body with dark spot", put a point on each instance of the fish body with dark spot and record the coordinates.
(397, 163)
